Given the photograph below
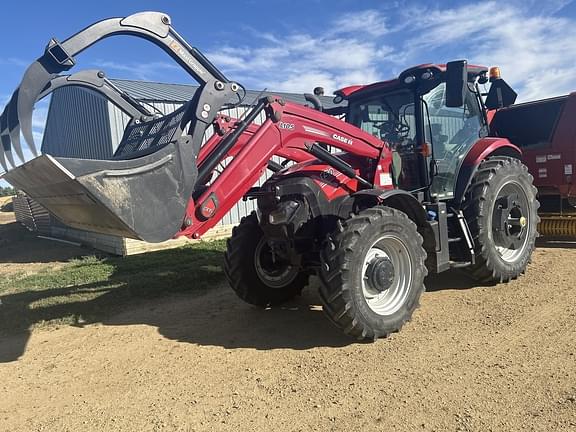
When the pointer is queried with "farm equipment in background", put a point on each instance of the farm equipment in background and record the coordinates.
(418, 183)
(546, 133)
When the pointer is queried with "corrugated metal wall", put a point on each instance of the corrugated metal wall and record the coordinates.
(77, 125)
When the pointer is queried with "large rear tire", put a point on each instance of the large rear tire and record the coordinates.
(252, 273)
(502, 214)
(373, 273)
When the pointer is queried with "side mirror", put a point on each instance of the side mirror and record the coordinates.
(456, 83)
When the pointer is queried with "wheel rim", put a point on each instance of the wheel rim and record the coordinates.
(274, 272)
(386, 275)
(511, 222)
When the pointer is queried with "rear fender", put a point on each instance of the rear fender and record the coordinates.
(482, 150)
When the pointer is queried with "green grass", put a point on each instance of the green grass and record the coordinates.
(88, 289)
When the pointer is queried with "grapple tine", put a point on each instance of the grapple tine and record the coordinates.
(3, 159)
(5, 138)
(34, 81)
(14, 126)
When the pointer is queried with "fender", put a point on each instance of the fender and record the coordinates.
(482, 150)
(396, 198)
(400, 200)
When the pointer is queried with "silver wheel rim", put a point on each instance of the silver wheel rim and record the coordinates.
(507, 254)
(273, 277)
(388, 299)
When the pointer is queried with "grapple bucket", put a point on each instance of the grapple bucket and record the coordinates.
(143, 198)
(143, 192)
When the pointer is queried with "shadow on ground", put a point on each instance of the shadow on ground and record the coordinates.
(214, 318)
(556, 243)
(451, 280)
(18, 245)
(181, 292)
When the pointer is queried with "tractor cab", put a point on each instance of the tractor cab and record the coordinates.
(430, 117)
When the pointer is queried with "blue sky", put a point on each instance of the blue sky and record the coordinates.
(295, 45)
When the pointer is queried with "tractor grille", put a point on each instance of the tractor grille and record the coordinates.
(149, 136)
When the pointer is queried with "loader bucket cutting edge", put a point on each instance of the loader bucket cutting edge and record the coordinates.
(142, 198)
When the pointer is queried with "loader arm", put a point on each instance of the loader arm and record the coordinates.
(287, 131)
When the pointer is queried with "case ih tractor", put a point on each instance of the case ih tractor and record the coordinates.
(411, 182)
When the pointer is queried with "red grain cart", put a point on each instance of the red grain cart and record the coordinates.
(546, 132)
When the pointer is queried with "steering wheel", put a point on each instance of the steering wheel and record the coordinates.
(392, 127)
(394, 133)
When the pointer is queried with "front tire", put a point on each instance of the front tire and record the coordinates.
(252, 273)
(373, 273)
(502, 214)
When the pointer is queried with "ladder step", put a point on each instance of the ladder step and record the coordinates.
(455, 264)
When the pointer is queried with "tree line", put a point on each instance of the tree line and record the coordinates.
(7, 191)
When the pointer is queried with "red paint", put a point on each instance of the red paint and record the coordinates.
(287, 138)
(560, 152)
(489, 146)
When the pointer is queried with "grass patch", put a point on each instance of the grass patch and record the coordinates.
(87, 289)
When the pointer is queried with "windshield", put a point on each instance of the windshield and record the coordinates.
(389, 117)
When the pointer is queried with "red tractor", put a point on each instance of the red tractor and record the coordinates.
(411, 182)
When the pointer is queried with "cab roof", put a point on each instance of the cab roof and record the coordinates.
(346, 92)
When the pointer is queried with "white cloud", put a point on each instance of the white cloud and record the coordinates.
(369, 21)
(141, 71)
(532, 44)
(535, 52)
(39, 116)
(299, 62)
(13, 61)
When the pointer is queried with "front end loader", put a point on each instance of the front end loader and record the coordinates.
(410, 183)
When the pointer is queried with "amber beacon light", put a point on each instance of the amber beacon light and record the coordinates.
(494, 73)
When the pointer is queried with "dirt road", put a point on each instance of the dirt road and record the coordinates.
(474, 358)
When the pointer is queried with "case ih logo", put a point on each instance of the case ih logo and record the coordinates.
(342, 139)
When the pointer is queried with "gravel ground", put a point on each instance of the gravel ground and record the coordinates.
(474, 358)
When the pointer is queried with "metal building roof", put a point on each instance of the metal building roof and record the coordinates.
(179, 93)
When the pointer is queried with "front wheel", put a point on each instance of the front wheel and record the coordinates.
(373, 273)
(502, 212)
(256, 273)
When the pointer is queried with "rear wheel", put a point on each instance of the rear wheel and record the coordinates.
(373, 273)
(501, 211)
(256, 273)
